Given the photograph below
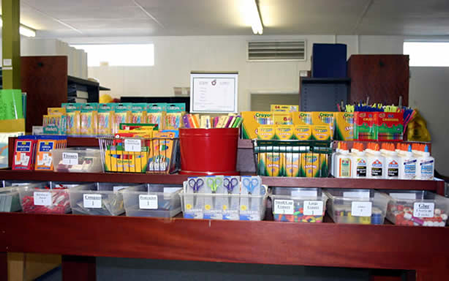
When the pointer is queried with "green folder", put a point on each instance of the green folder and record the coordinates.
(11, 104)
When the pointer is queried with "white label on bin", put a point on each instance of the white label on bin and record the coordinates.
(403, 196)
(92, 201)
(361, 209)
(304, 193)
(356, 194)
(42, 198)
(284, 207)
(69, 158)
(148, 202)
(313, 208)
(423, 210)
(133, 145)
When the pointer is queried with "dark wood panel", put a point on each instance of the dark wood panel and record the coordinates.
(75, 268)
(381, 77)
(44, 79)
(326, 244)
(3, 265)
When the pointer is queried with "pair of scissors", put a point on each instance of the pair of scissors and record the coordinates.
(250, 184)
(195, 184)
(213, 183)
(230, 184)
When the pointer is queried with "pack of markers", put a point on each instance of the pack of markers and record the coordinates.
(224, 198)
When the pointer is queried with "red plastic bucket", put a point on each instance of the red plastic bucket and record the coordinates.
(209, 151)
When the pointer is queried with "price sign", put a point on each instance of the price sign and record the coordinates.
(423, 210)
(361, 209)
(69, 158)
(284, 207)
(133, 145)
(313, 208)
(148, 202)
(42, 198)
(92, 201)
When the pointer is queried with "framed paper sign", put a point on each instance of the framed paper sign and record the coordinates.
(213, 92)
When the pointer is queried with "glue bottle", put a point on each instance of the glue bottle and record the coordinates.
(407, 167)
(344, 162)
(426, 165)
(392, 161)
(376, 162)
(358, 161)
(334, 159)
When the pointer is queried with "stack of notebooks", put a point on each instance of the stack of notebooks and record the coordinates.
(77, 94)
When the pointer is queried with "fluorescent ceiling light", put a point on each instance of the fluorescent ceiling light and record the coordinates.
(256, 19)
(23, 30)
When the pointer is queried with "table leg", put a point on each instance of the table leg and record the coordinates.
(78, 268)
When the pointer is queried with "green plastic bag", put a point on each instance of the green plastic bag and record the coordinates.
(11, 104)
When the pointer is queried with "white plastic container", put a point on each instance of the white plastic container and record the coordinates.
(426, 166)
(298, 204)
(334, 160)
(417, 208)
(343, 164)
(392, 161)
(152, 200)
(102, 199)
(376, 165)
(356, 206)
(77, 160)
(407, 167)
(359, 161)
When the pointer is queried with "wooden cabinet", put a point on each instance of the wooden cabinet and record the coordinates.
(382, 78)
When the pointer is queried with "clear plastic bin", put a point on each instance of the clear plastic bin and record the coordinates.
(298, 204)
(101, 199)
(356, 206)
(43, 200)
(223, 206)
(419, 208)
(153, 200)
(77, 160)
(10, 198)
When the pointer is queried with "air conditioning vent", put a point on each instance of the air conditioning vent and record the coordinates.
(277, 50)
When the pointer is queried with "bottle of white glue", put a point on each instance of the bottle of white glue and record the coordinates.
(376, 162)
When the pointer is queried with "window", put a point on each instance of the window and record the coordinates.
(427, 53)
(119, 55)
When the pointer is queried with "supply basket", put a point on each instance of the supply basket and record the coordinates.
(292, 158)
(139, 155)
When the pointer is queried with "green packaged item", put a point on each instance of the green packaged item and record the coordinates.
(11, 104)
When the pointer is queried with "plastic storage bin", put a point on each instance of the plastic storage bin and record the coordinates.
(77, 160)
(10, 198)
(45, 200)
(420, 208)
(223, 206)
(298, 204)
(102, 199)
(357, 206)
(152, 201)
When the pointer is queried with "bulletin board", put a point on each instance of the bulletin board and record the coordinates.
(214, 92)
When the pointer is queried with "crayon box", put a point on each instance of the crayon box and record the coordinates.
(364, 126)
(284, 108)
(302, 118)
(252, 120)
(344, 126)
(389, 126)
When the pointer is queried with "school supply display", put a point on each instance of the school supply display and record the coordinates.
(293, 158)
(224, 198)
(196, 121)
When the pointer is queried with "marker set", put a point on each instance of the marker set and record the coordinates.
(224, 198)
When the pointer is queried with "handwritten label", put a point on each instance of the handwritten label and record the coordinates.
(313, 208)
(69, 158)
(92, 201)
(284, 207)
(133, 145)
(148, 202)
(361, 209)
(42, 199)
(423, 210)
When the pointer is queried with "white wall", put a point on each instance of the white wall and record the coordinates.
(175, 57)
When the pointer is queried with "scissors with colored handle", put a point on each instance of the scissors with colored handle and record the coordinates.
(214, 183)
(230, 184)
(196, 184)
(250, 184)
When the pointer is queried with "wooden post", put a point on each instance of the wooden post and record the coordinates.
(11, 44)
